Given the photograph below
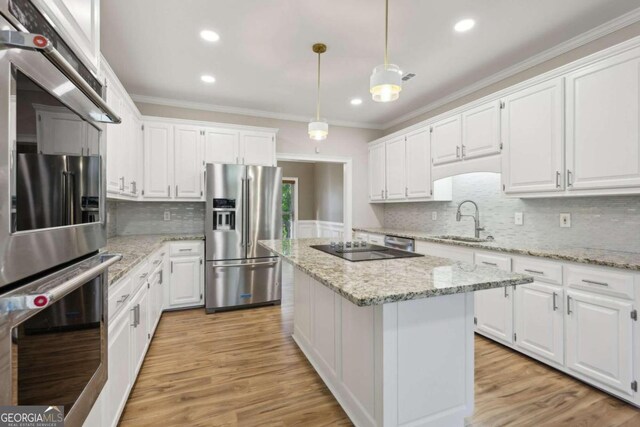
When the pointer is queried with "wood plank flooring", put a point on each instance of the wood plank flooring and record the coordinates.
(242, 368)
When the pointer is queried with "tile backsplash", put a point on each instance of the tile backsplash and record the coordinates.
(611, 222)
(148, 218)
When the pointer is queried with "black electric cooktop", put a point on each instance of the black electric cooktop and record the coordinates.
(367, 252)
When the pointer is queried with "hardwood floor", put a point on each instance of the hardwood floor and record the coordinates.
(242, 368)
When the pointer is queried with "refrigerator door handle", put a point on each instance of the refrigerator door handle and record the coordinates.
(243, 236)
(250, 264)
(247, 221)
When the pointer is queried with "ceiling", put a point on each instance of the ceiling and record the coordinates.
(264, 61)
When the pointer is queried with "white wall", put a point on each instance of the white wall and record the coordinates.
(293, 138)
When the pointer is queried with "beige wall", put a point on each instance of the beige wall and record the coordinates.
(305, 172)
(609, 40)
(293, 138)
(329, 191)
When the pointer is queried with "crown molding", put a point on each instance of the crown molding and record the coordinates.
(242, 111)
(573, 43)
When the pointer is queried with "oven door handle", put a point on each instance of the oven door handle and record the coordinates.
(38, 301)
(20, 40)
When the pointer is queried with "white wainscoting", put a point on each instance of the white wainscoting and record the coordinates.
(313, 228)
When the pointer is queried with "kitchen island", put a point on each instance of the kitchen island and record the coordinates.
(392, 339)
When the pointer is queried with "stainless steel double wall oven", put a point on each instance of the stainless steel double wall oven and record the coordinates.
(53, 279)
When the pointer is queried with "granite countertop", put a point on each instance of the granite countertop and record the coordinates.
(608, 258)
(378, 282)
(136, 248)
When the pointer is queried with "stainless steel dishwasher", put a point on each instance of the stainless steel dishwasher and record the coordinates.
(400, 243)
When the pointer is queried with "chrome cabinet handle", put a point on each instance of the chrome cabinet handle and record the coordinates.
(463, 150)
(133, 310)
(569, 178)
(122, 183)
(406, 191)
(143, 275)
(168, 191)
(593, 282)
(382, 194)
(555, 304)
(506, 294)
(156, 262)
(569, 305)
(123, 299)
(493, 264)
(185, 250)
(457, 151)
(534, 271)
(557, 179)
(176, 190)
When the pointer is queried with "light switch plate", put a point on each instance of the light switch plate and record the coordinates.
(167, 215)
(518, 218)
(565, 220)
(434, 216)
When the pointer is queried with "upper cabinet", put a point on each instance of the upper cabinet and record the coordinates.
(446, 140)
(257, 148)
(221, 145)
(603, 124)
(533, 138)
(78, 22)
(187, 162)
(158, 171)
(481, 131)
(400, 170)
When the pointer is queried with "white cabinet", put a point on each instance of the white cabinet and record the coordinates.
(139, 309)
(377, 171)
(418, 165)
(78, 22)
(257, 148)
(187, 162)
(120, 367)
(494, 307)
(156, 297)
(186, 277)
(395, 162)
(158, 170)
(481, 130)
(599, 339)
(532, 133)
(221, 145)
(603, 124)
(539, 320)
(446, 140)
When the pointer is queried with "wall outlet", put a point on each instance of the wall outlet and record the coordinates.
(167, 215)
(434, 216)
(518, 218)
(565, 220)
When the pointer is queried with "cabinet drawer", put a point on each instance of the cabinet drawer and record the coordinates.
(185, 248)
(157, 259)
(543, 271)
(140, 274)
(600, 281)
(490, 260)
(358, 235)
(376, 239)
(119, 296)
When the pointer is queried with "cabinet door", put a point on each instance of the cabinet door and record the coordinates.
(446, 140)
(59, 133)
(126, 150)
(377, 171)
(494, 307)
(139, 328)
(258, 148)
(481, 130)
(395, 169)
(603, 124)
(187, 161)
(186, 275)
(539, 320)
(599, 339)
(532, 133)
(114, 145)
(158, 141)
(155, 300)
(221, 146)
(418, 167)
(120, 368)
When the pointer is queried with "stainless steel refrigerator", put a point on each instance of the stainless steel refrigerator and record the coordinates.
(244, 205)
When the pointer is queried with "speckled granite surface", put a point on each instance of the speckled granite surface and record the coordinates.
(608, 258)
(134, 249)
(378, 282)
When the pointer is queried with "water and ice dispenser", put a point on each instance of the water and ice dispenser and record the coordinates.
(224, 214)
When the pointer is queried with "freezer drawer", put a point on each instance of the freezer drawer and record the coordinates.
(240, 283)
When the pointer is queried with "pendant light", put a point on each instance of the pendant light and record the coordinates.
(318, 128)
(386, 80)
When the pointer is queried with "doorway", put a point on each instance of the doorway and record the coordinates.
(289, 207)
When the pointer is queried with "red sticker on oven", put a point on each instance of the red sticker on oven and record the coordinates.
(40, 41)
(37, 301)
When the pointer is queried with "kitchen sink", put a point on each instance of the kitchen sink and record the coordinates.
(465, 238)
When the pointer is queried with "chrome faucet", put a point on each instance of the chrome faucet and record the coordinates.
(476, 217)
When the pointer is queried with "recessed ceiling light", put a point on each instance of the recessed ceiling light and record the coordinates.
(208, 79)
(464, 25)
(356, 101)
(210, 36)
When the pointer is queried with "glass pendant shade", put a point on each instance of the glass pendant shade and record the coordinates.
(318, 129)
(385, 83)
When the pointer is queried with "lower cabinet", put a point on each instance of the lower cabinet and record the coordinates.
(120, 367)
(139, 327)
(494, 307)
(186, 275)
(600, 339)
(539, 320)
